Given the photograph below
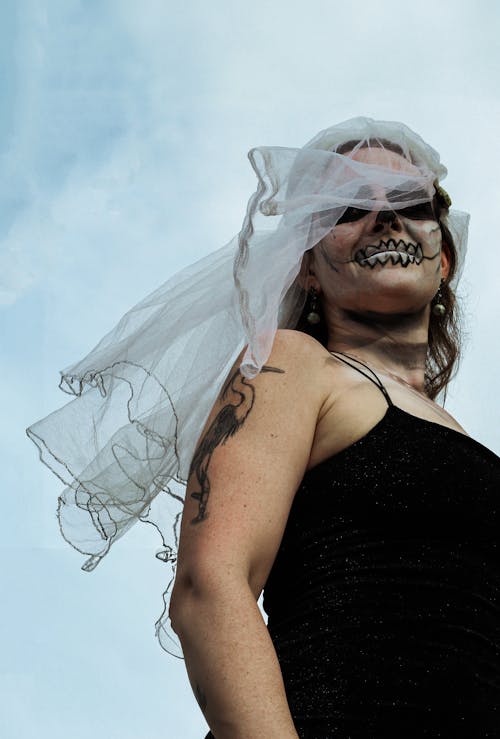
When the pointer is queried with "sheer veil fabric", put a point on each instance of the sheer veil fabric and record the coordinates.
(123, 445)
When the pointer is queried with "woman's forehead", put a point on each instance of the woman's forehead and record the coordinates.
(384, 158)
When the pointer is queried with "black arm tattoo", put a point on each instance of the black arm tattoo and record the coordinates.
(226, 423)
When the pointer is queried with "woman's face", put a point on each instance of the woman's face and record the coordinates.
(381, 261)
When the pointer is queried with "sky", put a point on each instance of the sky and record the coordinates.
(123, 140)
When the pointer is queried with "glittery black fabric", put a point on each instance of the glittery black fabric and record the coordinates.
(383, 600)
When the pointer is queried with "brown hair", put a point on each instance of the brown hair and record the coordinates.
(445, 334)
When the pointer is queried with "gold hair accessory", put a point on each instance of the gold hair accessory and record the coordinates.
(443, 194)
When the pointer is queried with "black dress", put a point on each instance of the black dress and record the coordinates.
(384, 598)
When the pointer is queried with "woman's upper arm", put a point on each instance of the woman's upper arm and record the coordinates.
(250, 459)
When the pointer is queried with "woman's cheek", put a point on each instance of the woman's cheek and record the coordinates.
(428, 234)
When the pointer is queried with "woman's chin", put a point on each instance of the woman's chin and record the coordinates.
(391, 300)
(397, 285)
(389, 310)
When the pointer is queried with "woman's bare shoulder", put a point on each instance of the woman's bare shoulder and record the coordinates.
(303, 350)
(298, 339)
(317, 365)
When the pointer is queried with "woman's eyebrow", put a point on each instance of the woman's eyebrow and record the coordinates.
(397, 195)
(366, 192)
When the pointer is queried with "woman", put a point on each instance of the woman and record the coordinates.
(351, 505)
(326, 473)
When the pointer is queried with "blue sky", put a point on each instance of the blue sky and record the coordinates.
(123, 141)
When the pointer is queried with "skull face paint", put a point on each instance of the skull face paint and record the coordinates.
(385, 267)
(404, 244)
(378, 259)
(402, 252)
(370, 259)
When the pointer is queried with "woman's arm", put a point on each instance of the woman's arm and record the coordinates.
(232, 667)
(249, 462)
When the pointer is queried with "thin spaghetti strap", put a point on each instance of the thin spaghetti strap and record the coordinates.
(375, 379)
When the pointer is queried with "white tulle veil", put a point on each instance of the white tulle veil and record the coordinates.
(123, 445)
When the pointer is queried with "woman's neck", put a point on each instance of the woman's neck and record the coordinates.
(396, 345)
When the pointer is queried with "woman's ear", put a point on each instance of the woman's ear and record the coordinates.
(307, 276)
(445, 260)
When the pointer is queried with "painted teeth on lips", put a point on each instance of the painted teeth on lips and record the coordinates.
(389, 251)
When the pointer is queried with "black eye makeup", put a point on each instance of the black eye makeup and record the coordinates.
(420, 212)
(353, 214)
